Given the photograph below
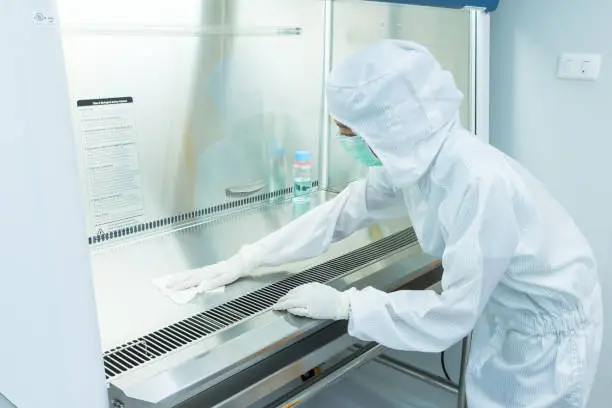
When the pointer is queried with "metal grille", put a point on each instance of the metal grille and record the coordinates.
(103, 236)
(177, 335)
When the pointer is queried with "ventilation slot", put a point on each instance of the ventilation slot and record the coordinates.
(103, 236)
(177, 335)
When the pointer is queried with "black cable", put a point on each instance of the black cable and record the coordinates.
(444, 367)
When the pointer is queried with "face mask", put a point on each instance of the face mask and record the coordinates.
(359, 150)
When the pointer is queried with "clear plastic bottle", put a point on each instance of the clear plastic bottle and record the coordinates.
(302, 180)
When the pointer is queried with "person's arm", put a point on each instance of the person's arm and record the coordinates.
(481, 243)
(361, 204)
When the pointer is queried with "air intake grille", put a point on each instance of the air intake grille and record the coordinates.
(156, 344)
(103, 236)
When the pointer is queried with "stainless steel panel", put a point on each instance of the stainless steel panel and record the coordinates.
(267, 386)
(326, 125)
(362, 357)
(216, 85)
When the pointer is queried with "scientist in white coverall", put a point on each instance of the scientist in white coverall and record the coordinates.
(517, 271)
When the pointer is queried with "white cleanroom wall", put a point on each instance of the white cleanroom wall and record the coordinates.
(560, 129)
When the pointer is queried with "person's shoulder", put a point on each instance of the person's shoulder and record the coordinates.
(481, 155)
(472, 163)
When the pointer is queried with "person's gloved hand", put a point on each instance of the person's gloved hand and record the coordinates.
(316, 301)
(220, 274)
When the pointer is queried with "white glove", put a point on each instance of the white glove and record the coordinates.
(316, 301)
(220, 274)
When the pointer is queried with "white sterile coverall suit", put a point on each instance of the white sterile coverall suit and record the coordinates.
(517, 271)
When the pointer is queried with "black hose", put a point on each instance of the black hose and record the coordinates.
(444, 367)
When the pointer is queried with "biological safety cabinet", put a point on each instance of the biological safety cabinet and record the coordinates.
(186, 117)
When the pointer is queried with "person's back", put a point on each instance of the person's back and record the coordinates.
(550, 286)
(517, 271)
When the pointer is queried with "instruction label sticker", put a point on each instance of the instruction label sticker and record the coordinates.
(112, 171)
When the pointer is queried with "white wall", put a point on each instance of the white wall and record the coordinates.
(560, 129)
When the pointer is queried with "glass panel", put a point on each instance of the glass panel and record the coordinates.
(358, 23)
(185, 107)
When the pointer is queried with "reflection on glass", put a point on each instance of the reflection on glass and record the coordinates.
(224, 92)
(265, 94)
(237, 159)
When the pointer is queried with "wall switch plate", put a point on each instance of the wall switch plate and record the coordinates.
(584, 67)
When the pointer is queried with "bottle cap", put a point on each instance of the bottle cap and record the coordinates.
(302, 156)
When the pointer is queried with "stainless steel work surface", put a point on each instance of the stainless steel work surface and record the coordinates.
(130, 306)
(203, 364)
(163, 353)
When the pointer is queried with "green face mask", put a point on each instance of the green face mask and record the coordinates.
(359, 150)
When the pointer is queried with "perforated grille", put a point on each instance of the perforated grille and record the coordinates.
(156, 344)
(103, 236)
